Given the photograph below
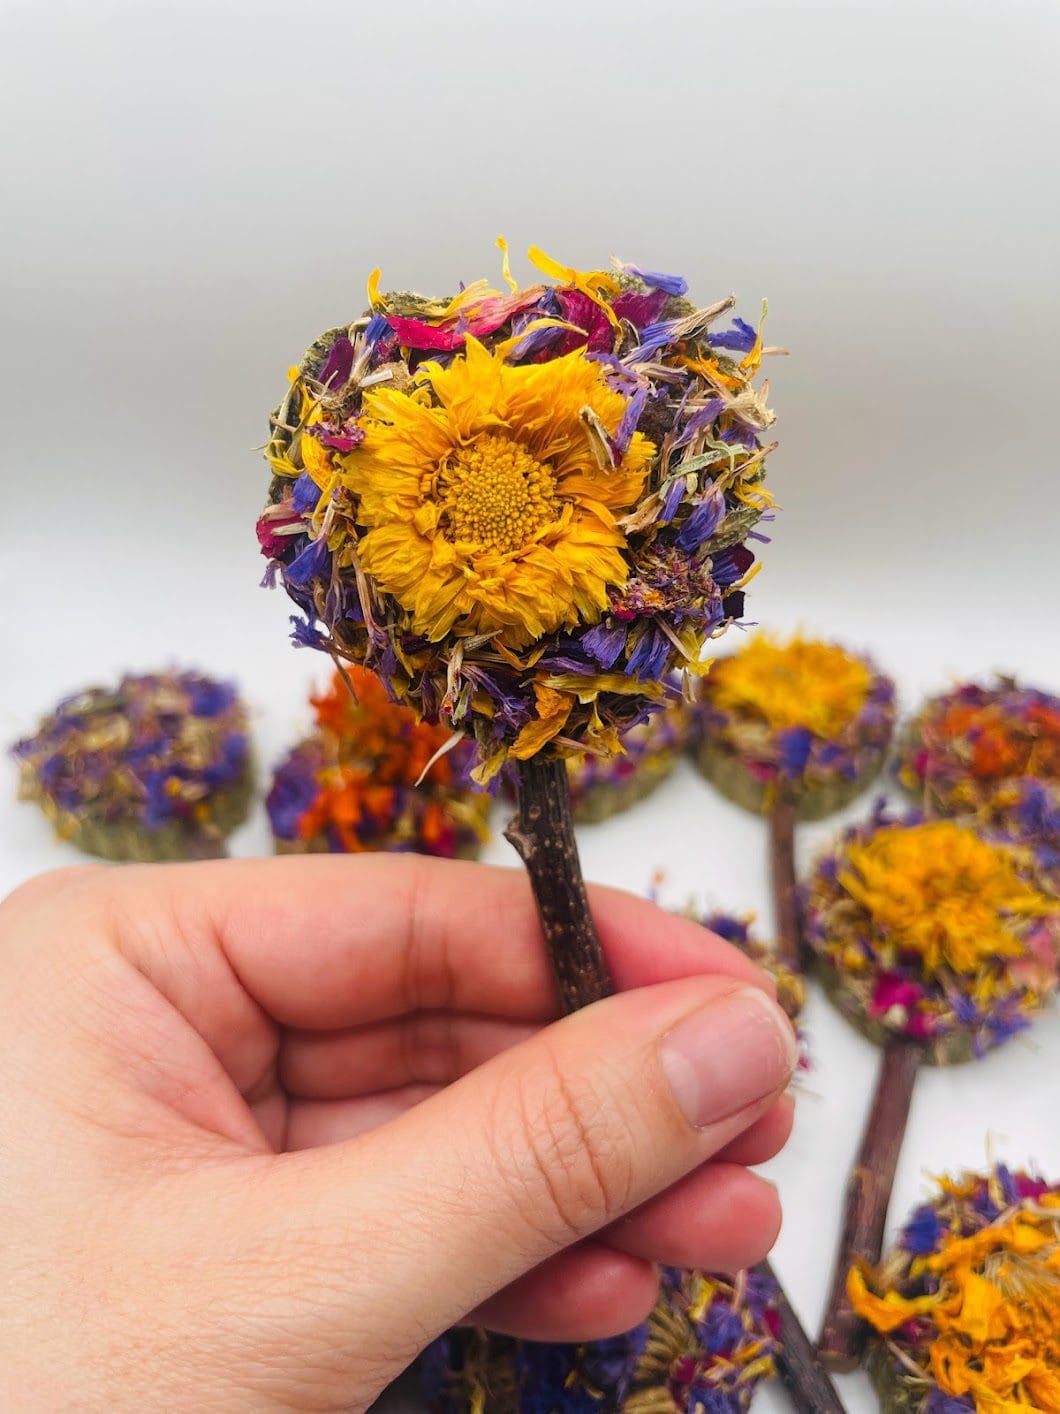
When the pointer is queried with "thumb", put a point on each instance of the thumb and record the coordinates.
(431, 1214)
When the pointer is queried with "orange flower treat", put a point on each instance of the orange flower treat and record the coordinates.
(373, 777)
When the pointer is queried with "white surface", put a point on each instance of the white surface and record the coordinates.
(197, 189)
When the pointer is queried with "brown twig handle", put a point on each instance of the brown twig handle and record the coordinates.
(868, 1195)
(542, 830)
(785, 896)
(808, 1383)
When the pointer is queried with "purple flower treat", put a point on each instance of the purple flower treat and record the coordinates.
(157, 767)
(705, 1346)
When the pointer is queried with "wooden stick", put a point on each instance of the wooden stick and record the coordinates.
(542, 830)
(785, 897)
(811, 1389)
(867, 1198)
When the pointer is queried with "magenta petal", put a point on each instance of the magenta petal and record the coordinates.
(579, 309)
(893, 990)
(640, 309)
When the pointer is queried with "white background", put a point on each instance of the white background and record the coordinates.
(193, 191)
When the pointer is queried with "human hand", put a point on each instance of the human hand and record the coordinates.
(268, 1127)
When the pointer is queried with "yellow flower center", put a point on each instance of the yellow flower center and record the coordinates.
(798, 684)
(495, 495)
(940, 891)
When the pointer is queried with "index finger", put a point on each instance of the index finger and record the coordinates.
(335, 941)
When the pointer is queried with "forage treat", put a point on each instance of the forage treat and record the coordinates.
(523, 509)
(707, 1343)
(991, 755)
(966, 1309)
(373, 777)
(801, 720)
(927, 930)
(157, 767)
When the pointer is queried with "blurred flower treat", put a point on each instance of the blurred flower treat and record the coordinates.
(157, 767)
(965, 1311)
(706, 1345)
(374, 777)
(803, 720)
(990, 755)
(793, 731)
(938, 943)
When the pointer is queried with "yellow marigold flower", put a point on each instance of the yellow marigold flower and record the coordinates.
(802, 683)
(942, 892)
(487, 509)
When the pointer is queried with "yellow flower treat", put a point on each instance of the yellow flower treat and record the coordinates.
(800, 719)
(524, 508)
(967, 1307)
(928, 930)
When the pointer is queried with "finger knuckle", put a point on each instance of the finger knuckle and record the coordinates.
(577, 1152)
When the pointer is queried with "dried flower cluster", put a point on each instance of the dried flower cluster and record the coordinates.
(928, 930)
(990, 755)
(706, 1345)
(373, 777)
(522, 509)
(157, 767)
(968, 1304)
(802, 719)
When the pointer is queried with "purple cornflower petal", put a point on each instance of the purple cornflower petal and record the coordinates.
(923, 1232)
(673, 498)
(671, 284)
(700, 419)
(306, 494)
(628, 425)
(207, 698)
(605, 643)
(704, 519)
(793, 747)
(741, 337)
(647, 659)
(305, 634)
(311, 563)
(294, 788)
(653, 337)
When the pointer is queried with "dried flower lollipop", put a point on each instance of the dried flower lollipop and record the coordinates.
(966, 1308)
(938, 943)
(155, 768)
(992, 755)
(705, 1346)
(524, 511)
(374, 777)
(793, 730)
